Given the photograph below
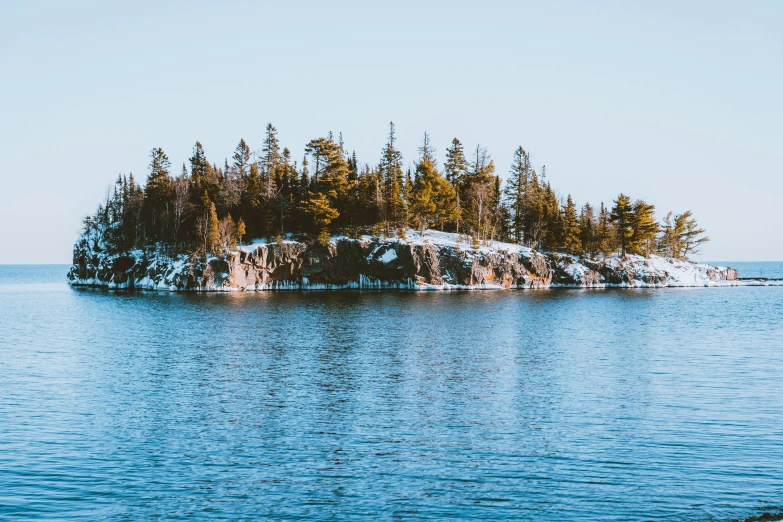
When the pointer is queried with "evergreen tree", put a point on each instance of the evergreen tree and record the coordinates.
(606, 234)
(534, 216)
(552, 230)
(322, 214)
(241, 158)
(455, 168)
(692, 237)
(588, 234)
(680, 237)
(425, 191)
(645, 229)
(271, 160)
(456, 165)
(422, 205)
(157, 194)
(516, 187)
(622, 217)
(199, 166)
(213, 235)
(394, 185)
(343, 197)
(570, 236)
(304, 176)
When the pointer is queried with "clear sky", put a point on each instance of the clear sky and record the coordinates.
(678, 103)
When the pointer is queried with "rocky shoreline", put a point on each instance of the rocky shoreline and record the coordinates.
(438, 261)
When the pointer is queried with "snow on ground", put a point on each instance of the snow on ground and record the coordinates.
(413, 237)
(255, 243)
(447, 239)
(167, 272)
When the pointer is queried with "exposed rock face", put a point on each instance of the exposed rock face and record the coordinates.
(443, 263)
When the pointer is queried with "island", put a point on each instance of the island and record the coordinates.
(265, 222)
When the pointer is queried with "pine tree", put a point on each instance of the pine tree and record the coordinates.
(570, 235)
(588, 235)
(304, 176)
(552, 230)
(157, 194)
(455, 168)
(456, 165)
(516, 187)
(391, 171)
(422, 205)
(689, 237)
(622, 217)
(199, 166)
(534, 216)
(331, 173)
(343, 197)
(271, 159)
(322, 215)
(645, 229)
(213, 236)
(241, 158)
(606, 235)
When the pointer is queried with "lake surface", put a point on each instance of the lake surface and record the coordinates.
(663, 404)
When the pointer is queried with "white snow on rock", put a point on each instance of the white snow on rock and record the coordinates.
(153, 269)
(388, 256)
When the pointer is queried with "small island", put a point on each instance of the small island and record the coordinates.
(265, 222)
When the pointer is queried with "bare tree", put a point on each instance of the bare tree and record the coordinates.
(202, 231)
(479, 193)
(180, 204)
(226, 234)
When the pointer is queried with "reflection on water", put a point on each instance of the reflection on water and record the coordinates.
(553, 405)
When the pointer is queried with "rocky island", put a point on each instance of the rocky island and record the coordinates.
(374, 227)
(436, 261)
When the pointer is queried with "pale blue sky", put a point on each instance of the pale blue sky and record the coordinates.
(679, 103)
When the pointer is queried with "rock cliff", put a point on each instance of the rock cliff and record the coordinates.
(436, 261)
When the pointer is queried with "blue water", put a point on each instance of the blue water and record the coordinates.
(766, 269)
(653, 404)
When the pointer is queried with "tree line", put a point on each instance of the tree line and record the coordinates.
(208, 208)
